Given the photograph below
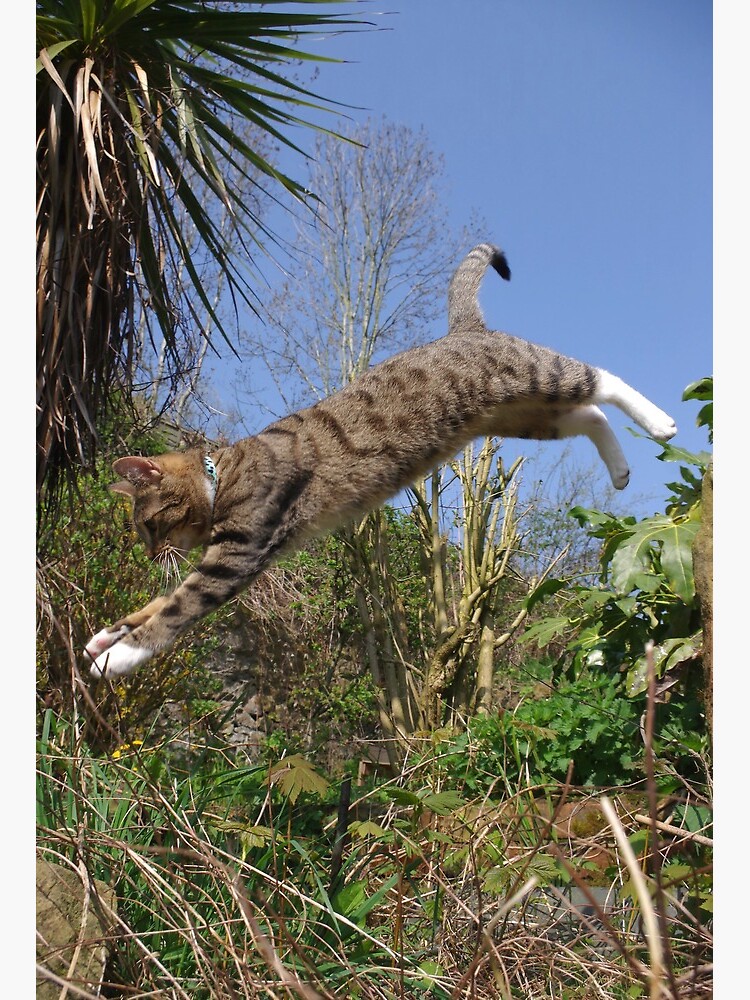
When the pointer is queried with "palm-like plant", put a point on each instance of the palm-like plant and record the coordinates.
(143, 113)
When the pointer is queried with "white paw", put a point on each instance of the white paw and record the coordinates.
(104, 640)
(660, 425)
(118, 660)
(620, 477)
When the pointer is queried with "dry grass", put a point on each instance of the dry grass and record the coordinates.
(224, 891)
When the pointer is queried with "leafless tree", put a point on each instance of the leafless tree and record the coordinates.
(373, 279)
(374, 265)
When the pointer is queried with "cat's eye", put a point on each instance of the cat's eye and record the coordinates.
(150, 525)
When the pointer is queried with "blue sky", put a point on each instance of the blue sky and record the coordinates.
(581, 133)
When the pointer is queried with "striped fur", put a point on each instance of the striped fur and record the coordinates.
(318, 468)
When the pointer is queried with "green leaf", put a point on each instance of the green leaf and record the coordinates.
(676, 871)
(350, 897)
(402, 796)
(543, 632)
(667, 655)
(499, 878)
(629, 889)
(696, 819)
(671, 453)
(677, 559)
(545, 589)
(366, 828)
(657, 541)
(53, 51)
(443, 803)
(255, 836)
(702, 389)
(431, 971)
(358, 912)
(600, 521)
(593, 600)
(294, 775)
(639, 840)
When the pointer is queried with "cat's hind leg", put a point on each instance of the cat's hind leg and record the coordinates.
(590, 420)
(611, 389)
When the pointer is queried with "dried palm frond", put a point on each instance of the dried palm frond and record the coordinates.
(142, 115)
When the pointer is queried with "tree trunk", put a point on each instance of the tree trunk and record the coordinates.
(485, 665)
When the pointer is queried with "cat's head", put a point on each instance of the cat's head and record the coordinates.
(172, 499)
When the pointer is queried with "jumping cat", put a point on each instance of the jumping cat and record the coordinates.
(316, 469)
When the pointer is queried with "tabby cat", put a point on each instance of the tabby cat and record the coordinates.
(320, 467)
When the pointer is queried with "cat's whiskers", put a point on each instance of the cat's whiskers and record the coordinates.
(171, 570)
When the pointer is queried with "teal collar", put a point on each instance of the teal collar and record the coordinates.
(209, 466)
(213, 476)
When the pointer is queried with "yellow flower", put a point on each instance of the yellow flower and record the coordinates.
(126, 748)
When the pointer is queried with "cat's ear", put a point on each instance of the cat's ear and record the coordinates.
(137, 472)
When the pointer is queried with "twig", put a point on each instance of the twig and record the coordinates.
(52, 977)
(675, 830)
(650, 923)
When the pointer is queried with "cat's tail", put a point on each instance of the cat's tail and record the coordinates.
(463, 301)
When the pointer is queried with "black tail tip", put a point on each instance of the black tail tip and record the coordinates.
(500, 263)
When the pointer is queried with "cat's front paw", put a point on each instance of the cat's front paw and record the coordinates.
(108, 657)
(104, 640)
(118, 660)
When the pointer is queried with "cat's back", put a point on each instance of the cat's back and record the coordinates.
(399, 419)
(503, 365)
